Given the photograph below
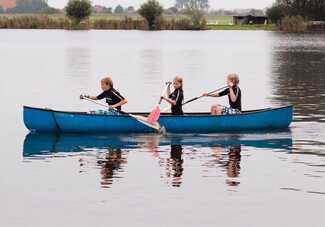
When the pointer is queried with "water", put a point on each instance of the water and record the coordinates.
(255, 179)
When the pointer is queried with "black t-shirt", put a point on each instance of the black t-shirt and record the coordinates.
(177, 96)
(112, 97)
(234, 105)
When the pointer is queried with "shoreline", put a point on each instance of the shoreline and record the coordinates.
(120, 22)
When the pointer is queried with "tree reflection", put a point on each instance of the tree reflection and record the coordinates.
(298, 76)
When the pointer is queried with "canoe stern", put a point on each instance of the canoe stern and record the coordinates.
(41, 120)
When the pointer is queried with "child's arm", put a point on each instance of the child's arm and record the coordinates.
(170, 101)
(232, 94)
(121, 103)
(88, 97)
(168, 91)
(216, 94)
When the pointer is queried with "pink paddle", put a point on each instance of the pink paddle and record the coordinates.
(155, 113)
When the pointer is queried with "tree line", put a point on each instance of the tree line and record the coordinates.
(151, 11)
(310, 10)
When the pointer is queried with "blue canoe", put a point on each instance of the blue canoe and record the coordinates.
(47, 120)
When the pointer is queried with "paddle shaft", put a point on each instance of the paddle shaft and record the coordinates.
(140, 119)
(196, 98)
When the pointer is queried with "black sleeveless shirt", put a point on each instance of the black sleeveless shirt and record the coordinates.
(177, 96)
(234, 105)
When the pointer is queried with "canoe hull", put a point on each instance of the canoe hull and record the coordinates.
(44, 120)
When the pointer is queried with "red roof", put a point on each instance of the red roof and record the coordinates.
(7, 4)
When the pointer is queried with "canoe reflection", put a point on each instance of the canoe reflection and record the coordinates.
(42, 144)
(111, 151)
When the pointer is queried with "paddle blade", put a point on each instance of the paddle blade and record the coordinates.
(154, 115)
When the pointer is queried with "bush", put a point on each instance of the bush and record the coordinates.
(151, 12)
(78, 10)
(293, 24)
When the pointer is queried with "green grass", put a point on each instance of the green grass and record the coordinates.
(268, 27)
(220, 20)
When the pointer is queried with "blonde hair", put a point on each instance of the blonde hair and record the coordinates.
(179, 79)
(108, 81)
(233, 77)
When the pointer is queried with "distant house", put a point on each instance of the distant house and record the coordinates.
(7, 4)
(250, 19)
(316, 25)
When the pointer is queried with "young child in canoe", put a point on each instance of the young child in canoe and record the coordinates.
(176, 97)
(113, 98)
(234, 97)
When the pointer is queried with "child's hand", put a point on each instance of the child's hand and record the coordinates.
(205, 94)
(81, 97)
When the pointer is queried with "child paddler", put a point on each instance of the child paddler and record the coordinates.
(176, 97)
(113, 98)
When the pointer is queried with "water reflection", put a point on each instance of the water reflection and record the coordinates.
(109, 153)
(111, 164)
(228, 158)
(233, 165)
(298, 74)
(174, 165)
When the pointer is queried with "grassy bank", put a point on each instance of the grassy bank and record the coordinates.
(118, 21)
(254, 27)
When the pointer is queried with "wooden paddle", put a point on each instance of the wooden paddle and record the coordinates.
(141, 119)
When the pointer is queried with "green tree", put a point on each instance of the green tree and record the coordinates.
(151, 12)
(119, 9)
(196, 10)
(275, 13)
(309, 9)
(78, 10)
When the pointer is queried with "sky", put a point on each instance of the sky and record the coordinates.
(216, 4)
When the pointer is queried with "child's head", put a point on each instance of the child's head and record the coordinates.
(178, 82)
(233, 78)
(106, 83)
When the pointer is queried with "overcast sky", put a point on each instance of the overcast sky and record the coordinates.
(216, 4)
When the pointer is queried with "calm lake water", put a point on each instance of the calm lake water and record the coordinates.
(255, 179)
